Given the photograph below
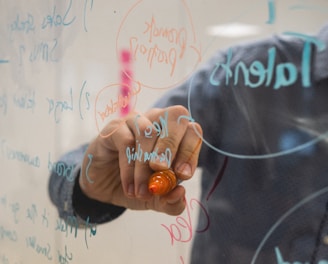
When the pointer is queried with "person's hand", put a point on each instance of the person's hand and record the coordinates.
(119, 162)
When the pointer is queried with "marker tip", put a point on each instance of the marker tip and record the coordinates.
(153, 188)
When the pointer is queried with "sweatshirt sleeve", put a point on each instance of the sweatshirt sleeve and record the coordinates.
(66, 195)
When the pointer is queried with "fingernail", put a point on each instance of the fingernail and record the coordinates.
(131, 189)
(185, 170)
(143, 190)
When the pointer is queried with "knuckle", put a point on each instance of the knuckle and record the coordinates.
(179, 110)
(197, 127)
(128, 141)
(168, 143)
(176, 209)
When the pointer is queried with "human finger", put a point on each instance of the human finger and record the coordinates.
(120, 141)
(172, 203)
(145, 139)
(186, 160)
(174, 124)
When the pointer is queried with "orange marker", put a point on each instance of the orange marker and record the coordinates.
(161, 182)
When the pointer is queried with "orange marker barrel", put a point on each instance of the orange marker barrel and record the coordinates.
(162, 182)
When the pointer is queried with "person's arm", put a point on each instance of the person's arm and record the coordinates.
(106, 181)
(67, 196)
(206, 103)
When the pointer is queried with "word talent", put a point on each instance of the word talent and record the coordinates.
(279, 74)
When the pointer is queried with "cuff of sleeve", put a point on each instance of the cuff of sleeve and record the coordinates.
(96, 211)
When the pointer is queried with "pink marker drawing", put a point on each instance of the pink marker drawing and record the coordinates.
(126, 74)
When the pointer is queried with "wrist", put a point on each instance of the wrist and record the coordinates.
(97, 212)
